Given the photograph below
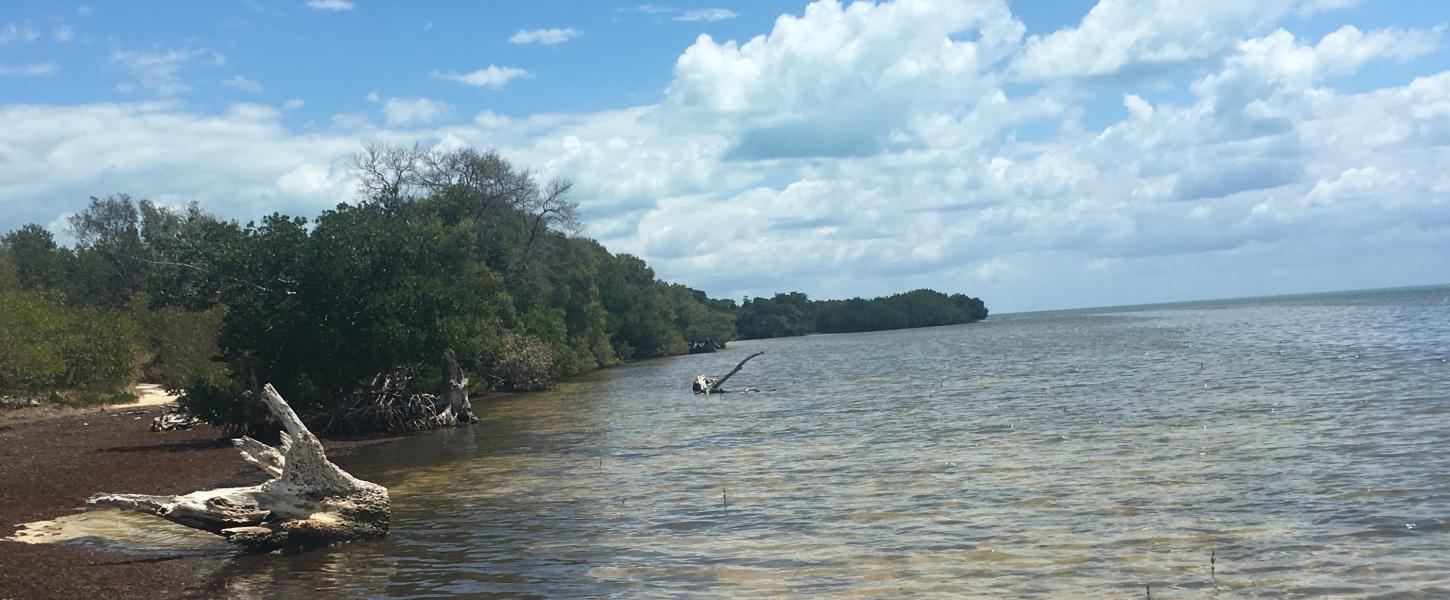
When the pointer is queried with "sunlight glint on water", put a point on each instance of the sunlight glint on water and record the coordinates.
(1301, 440)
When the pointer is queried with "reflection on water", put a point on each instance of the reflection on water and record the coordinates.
(1301, 441)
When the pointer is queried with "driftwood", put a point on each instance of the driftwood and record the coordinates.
(393, 404)
(173, 421)
(308, 502)
(706, 345)
(709, 385)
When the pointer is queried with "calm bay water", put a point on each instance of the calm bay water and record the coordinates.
(1303, 442)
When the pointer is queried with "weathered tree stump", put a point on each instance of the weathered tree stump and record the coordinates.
(308, 503)
(710, 385)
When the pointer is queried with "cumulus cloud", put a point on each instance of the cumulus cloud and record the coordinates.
(547, 37)
(410, 111)
(1128, 37)
(874, 147)
(329, 5)
(802, 95)
(492, 76)
(233, 162)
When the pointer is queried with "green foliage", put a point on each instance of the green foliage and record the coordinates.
(522, 364)
(177, 342)
(32, 349)
(781, 316)
(444, 250)
(45, 345)
(795, 314)
(35, 258)
(455, 250)
(215, 396)
(9, 276)
(100, 349)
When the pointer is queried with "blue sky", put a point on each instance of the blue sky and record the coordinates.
(1037, 154)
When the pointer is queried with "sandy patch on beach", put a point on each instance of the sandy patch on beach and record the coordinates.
(150, 394)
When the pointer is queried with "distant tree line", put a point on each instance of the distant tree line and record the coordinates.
(790, 314)
(456, 250)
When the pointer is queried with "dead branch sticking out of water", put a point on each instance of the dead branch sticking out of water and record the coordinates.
(707, 385)
(309, 502)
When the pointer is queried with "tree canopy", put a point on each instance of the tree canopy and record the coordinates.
(442, 250)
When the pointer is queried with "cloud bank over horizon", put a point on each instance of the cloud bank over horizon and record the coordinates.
(1141, 153)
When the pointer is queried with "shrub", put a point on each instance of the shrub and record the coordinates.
(46, 346)
(178, 343)
(32, 352)
(100, 352)
(216, 397)
(523, 365)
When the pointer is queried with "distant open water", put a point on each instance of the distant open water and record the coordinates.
(1302, 442)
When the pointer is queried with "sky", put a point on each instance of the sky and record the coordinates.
(1036, 154)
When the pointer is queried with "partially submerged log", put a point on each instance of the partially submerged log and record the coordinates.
(710, 385)
(308, 503)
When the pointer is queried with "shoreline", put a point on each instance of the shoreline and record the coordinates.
(51, 460)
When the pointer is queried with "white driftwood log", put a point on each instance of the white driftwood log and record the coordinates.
(309, 501)
(710, 385)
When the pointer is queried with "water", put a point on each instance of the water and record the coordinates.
(1301, 442)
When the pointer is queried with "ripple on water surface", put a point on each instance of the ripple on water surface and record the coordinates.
(1298, 441)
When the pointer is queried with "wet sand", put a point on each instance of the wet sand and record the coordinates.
(51, 460)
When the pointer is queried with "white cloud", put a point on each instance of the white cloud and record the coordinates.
(230, 162)
(62, 33)
(997, 268)
(1347, 48)
(410, 111)
(706, 14)
(492, 76)
(293, 104)
(30, 70)
(332, 5)
(1350, 184)
(239, 82)
(547, 37)
(1138, 37)
(692, 15)
(875, 147)
(157, 71)
(12, 33)
(1138, 107)
(797, 93)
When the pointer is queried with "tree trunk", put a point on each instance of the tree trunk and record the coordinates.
(309, 502)
(709, 385)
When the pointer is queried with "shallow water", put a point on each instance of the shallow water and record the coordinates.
(1300, 442)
